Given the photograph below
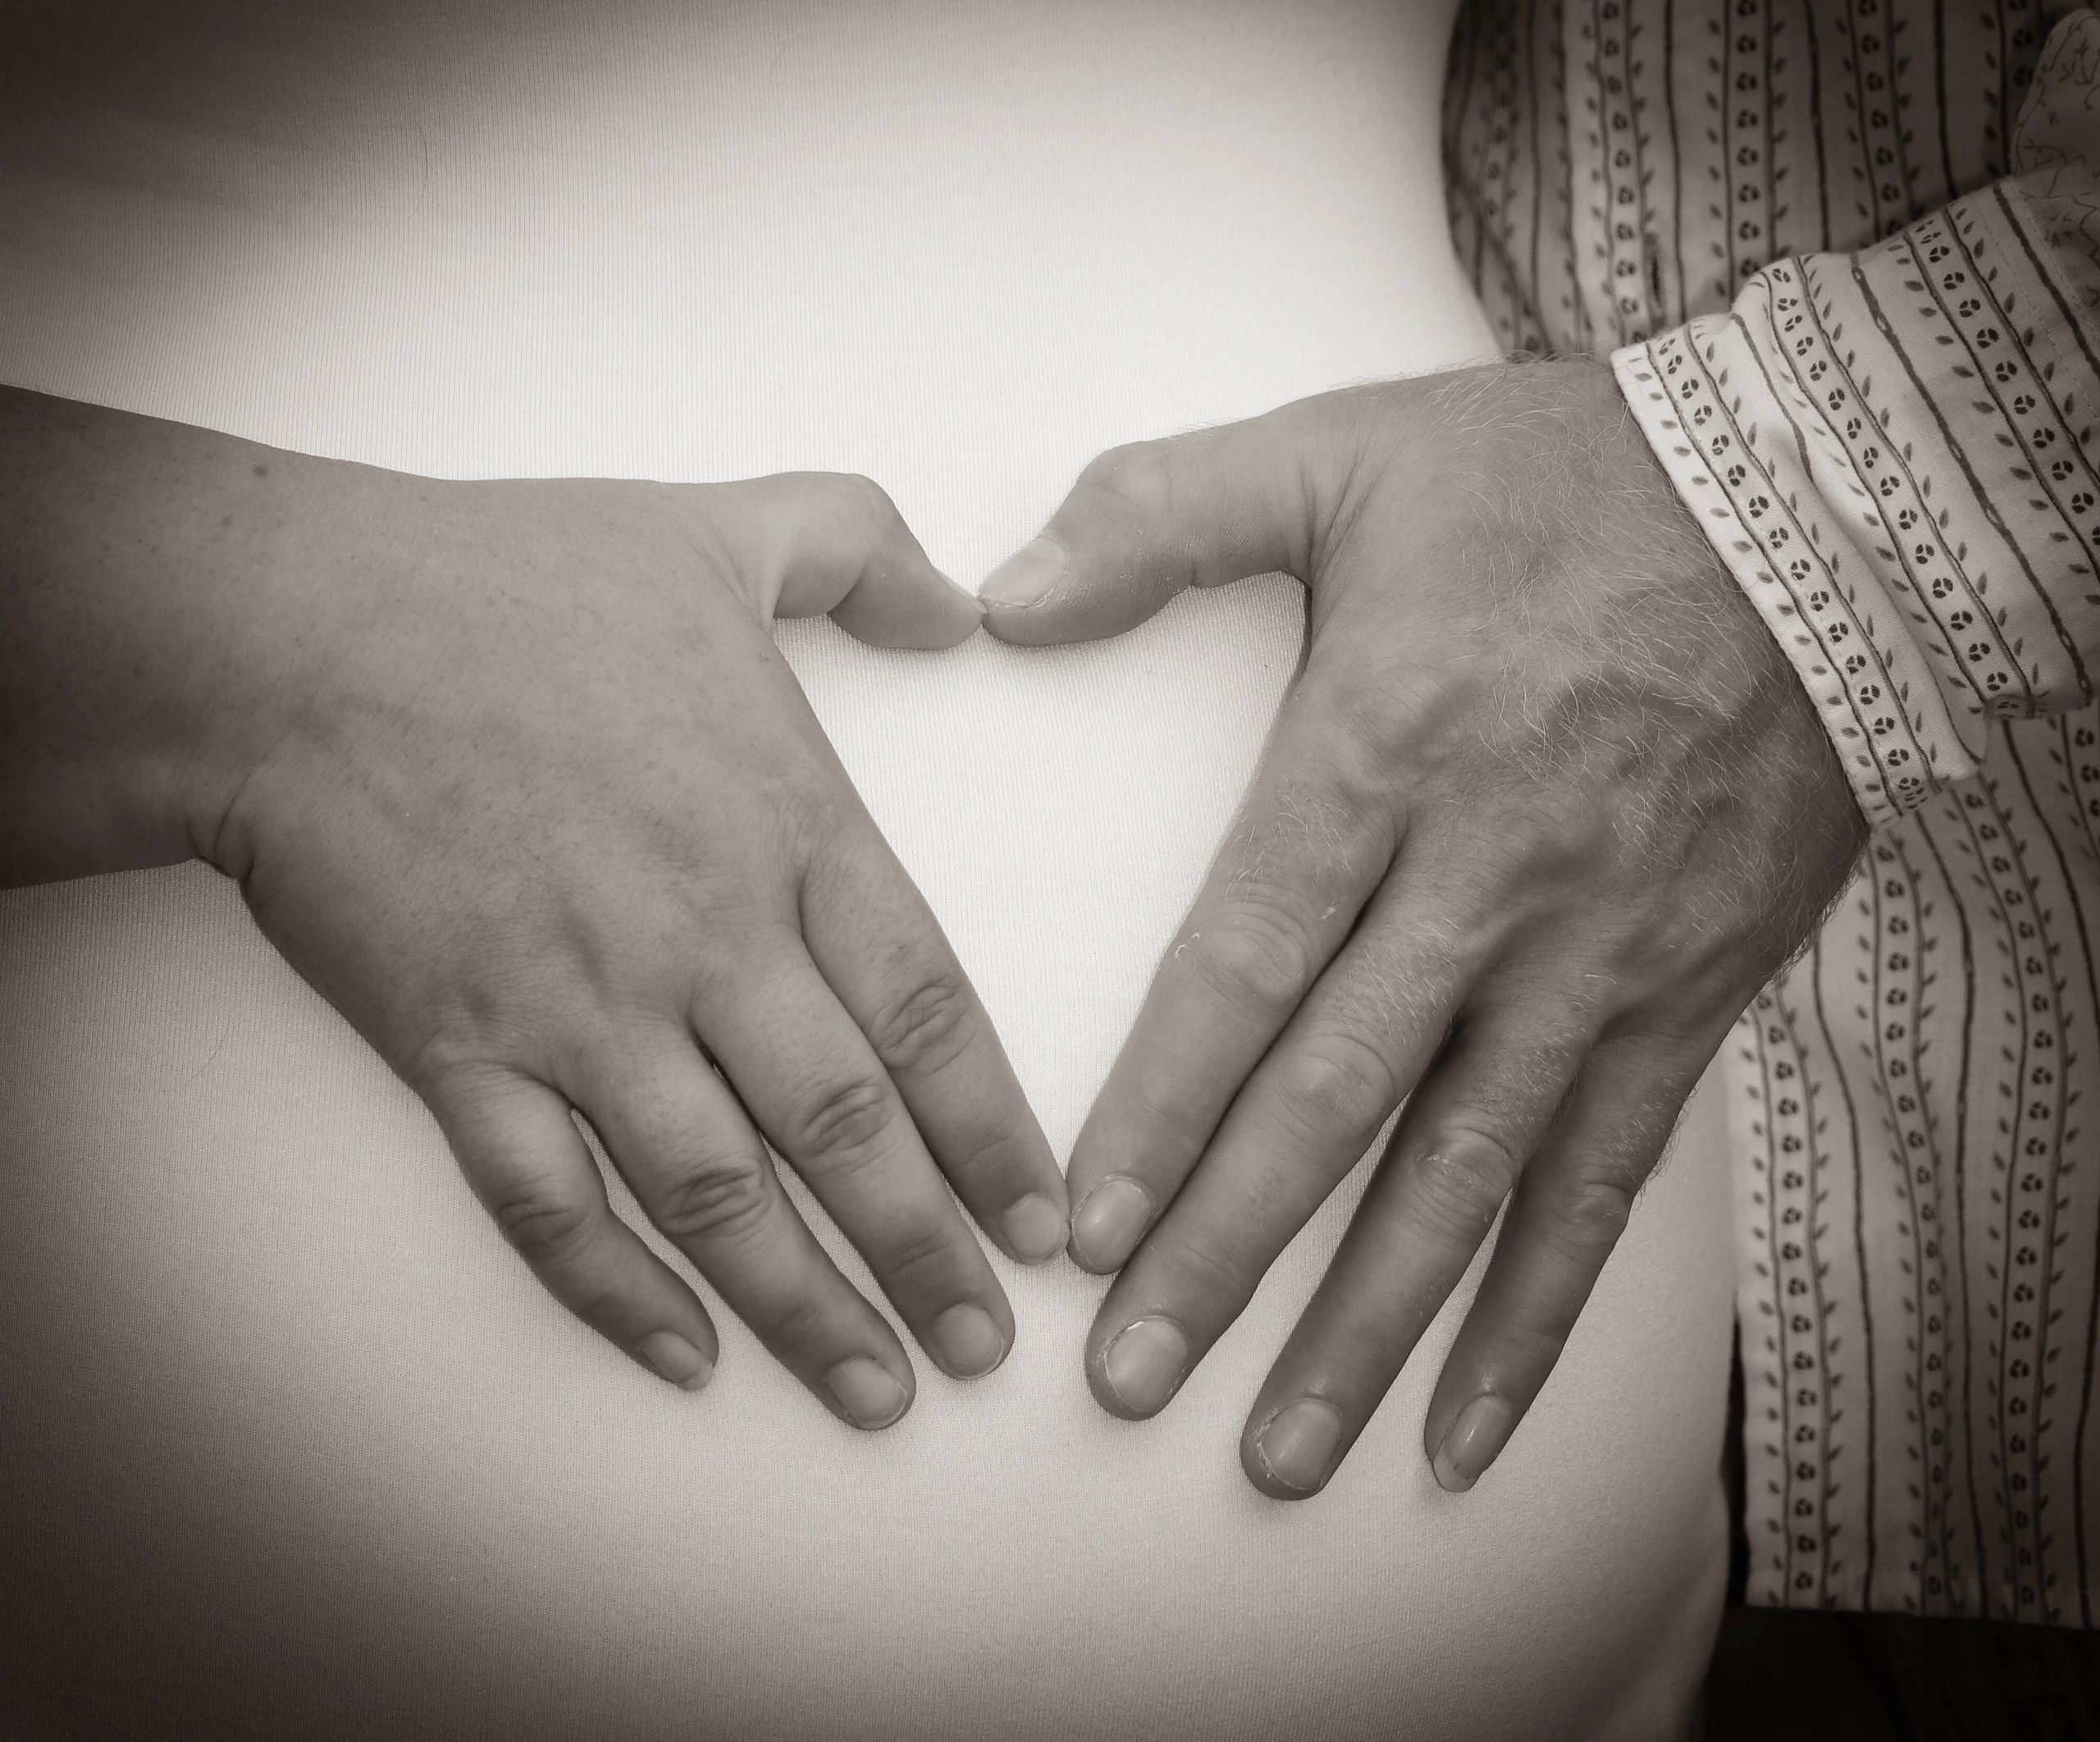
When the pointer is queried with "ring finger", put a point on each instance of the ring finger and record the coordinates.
(1567, 1216)
(699, 1171)
(1466, 1136)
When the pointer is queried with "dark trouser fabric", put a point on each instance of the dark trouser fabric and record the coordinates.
(1803, 1677)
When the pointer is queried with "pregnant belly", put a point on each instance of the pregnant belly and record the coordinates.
(292, 1445)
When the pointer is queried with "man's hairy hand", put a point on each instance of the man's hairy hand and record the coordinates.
(1545, 808)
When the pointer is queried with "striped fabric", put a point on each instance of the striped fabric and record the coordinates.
(1846, 257)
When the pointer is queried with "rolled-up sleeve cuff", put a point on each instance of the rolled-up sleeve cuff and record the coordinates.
(1746, 462)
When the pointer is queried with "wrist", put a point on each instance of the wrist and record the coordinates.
(1704, 397)
(153, 627)
(300, 588)
(1755, 674)
(1695, 640)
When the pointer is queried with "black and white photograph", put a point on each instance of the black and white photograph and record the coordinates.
(1049, 871)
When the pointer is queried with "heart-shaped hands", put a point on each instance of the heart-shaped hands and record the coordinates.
(1545, 808)
(513, 773)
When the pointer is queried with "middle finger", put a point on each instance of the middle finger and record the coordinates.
(1368, 1031)
(814, 1085)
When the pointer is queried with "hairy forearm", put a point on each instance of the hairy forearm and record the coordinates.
(155, 589)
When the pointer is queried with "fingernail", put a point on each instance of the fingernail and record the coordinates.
(1112, 1219)
(676, 1360)
(867, 1391)
(1026, 577)
(971, 1344)
(1145, 1362)
(1298, 1443)
(1472, 1442)
(1035, 1228)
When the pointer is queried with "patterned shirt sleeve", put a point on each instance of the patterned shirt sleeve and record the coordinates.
(1893, 451)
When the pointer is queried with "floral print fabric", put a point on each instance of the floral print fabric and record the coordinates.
(1847, 258)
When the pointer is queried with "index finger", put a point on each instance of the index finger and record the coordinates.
(833, 542)
(1309, 847)
(1149, 518)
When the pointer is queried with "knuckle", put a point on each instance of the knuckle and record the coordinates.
(1531, 1080)
(876, 507)
(808, 1323)
(1133, 477)
(441, 1061)
(1375, 721)
(548, 1229)
(723, 1201)
(1596, 1204)
(926, 1028)
(1312, 831)
(1006, 1145)
(839, 1126)
(1553, 839)
(1669, 1056)
(916, 1259)
(462, 1060)
(1336, 1083)
(1253, 955)
(1370, 727)
(1205, 1270)
(1461, 1180)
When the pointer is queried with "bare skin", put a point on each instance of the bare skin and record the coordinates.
(513, 774)
(1545, 808)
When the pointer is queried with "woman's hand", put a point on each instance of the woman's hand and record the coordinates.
(1546, 807)
(514, 775)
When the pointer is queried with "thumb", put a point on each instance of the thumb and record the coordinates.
(1149, 518)
(812, 543)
